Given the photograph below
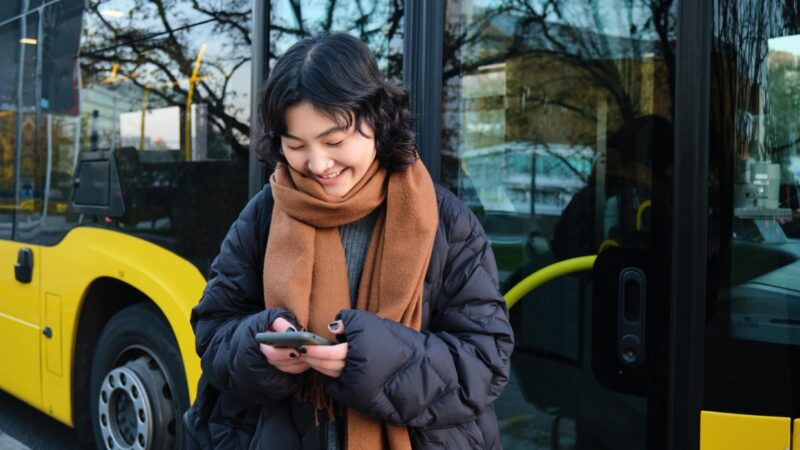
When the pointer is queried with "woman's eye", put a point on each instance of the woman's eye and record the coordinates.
(295, 148)
(335, 144)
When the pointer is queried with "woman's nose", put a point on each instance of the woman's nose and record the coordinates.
(319, 162)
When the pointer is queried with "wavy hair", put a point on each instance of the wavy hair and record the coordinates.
(338, 75)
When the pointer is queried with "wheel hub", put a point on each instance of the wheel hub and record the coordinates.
(130, 407)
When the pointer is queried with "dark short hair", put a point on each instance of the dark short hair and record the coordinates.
(338, 75)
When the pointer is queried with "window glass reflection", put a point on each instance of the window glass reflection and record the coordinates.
(10, 9)
(163, 90)
(755, 164)
(28, 172)
(557, 133)
(379, 23)
(9, 89)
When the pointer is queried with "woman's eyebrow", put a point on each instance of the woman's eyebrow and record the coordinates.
(287, 135)
(327, 132)
(331, 130)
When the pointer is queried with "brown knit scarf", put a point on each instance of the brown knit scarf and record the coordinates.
(305, 270)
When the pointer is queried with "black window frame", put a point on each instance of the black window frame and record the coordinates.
(689, 223)
(422, 76)
(257, 172)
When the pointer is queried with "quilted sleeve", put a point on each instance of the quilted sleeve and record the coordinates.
(232, 311)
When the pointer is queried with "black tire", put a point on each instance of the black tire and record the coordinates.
(138, 388)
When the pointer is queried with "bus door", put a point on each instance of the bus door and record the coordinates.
(558, 134)
(20, 308)
(752, 355)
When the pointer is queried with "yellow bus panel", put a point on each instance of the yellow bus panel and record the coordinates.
(726, 431)
(20, 363)
(171, 282)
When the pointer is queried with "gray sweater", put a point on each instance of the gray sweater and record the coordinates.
(355, 239)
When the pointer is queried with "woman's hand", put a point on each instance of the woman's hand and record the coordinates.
(284, 359)
(326, 359)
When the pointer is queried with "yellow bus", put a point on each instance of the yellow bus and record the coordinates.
(634, 163)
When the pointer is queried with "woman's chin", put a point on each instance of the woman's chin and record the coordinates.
(338, 190)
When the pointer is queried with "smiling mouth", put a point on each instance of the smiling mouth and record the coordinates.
(330, 179)
(331, 176)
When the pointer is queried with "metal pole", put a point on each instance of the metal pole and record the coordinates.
(689, 224)
(259, 68)
(18, 124)
(422, 76)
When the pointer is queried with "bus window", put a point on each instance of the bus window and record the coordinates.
(9, 84)
(163, 88)
(557, 133)
(9, 10)
(753, 338)
(23, 172)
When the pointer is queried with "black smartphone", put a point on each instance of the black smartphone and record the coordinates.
(292, 339)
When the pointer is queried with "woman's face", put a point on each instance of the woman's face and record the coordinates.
(316, 146)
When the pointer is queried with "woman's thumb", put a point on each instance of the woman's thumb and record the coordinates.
(280, 324)
(336, 327)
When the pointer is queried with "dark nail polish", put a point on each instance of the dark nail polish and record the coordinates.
(333, 326)
(292, 355)
(291, 329)
(303, 350)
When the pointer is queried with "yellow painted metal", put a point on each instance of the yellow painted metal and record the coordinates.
(726, 431)
(87, 254)
(192, 81)
(143, 119)
(796, 434)
(606, 244)
(546, 274)
(640, 213)
(53, 346)
(20, 310)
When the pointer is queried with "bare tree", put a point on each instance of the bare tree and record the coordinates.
(571, 53)
(156, 46)
(377, 23)
(740, 51)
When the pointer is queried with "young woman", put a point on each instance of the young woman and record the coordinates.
(350, 240)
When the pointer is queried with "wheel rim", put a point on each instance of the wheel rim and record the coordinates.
(134, 403)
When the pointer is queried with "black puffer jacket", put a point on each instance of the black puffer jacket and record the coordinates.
(439, 382)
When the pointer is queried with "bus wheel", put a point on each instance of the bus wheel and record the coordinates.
(138, 388)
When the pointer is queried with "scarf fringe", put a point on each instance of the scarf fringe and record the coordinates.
(313, 391)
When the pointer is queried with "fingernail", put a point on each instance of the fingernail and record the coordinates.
(303, 350)
(292, 355)
(291, 328)
(333, 326)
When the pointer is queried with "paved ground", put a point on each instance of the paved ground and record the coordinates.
(522, 426)
(25, 428)
(9, 443)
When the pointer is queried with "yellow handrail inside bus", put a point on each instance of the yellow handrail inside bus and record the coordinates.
(607, 243)
(640, 212)
(546, 274)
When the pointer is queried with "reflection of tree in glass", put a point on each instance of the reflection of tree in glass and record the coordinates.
(565, 57)
(740, 73)
(154, 46)
(783, 92)
(571, 73)
(376, 22)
